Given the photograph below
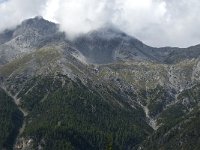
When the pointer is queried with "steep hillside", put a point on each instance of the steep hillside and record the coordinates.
(180, 127)
(103, 90)
(11, 120)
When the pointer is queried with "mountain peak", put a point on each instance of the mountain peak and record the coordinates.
(34, 19)
(37, 25)
(108, 32)
(37, 22)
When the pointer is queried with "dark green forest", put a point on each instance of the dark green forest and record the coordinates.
(66, 114)
(74, 116)
(10, 121)
(180, 127)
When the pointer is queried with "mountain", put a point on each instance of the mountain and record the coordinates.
(26, 37)
(101, 90)
(105, 45)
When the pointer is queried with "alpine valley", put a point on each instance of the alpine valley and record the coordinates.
(103, 90)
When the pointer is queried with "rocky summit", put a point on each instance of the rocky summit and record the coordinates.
(101, 90)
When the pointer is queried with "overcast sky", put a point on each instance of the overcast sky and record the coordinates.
(155, 22)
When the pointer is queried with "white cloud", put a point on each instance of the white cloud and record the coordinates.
(80, 16)
(12, 12)
(155, 22)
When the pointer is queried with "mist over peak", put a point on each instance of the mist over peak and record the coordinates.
(156, 22)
